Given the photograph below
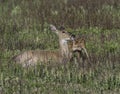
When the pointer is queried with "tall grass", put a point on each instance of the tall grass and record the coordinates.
(24, 25)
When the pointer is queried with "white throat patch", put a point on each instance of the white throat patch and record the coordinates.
(64, 41)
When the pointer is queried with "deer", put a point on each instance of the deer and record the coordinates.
(33, 57)
(64, 54)
(68, 41)
(79, 51)
(63, 36)
(80, 46)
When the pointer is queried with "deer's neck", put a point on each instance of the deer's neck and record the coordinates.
(64, 48)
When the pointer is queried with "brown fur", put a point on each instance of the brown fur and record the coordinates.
(63, 37)
(32, 57)
(79, 46)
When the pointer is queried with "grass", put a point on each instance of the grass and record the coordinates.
(24, 26)
(102, 76)
(62, 79)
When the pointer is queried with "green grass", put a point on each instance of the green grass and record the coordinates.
(101, 76)
(24, 25)
(61, 79)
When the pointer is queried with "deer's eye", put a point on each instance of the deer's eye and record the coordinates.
(63, 31)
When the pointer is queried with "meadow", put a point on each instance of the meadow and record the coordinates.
(24, 25)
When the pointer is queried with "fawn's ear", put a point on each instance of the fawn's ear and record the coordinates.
(82, 40)
(53, 28)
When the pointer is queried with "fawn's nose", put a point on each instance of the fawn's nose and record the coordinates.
(77, 48)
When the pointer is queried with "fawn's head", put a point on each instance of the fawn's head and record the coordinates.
(78, 44)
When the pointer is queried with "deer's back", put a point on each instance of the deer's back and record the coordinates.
(32, 57)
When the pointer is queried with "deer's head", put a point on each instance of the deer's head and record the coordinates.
(61, 33)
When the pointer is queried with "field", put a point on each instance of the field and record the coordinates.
(24, 25)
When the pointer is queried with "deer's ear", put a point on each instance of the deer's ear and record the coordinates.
(53, 28)
(62, 28)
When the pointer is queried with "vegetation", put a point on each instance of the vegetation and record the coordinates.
(24, 25)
